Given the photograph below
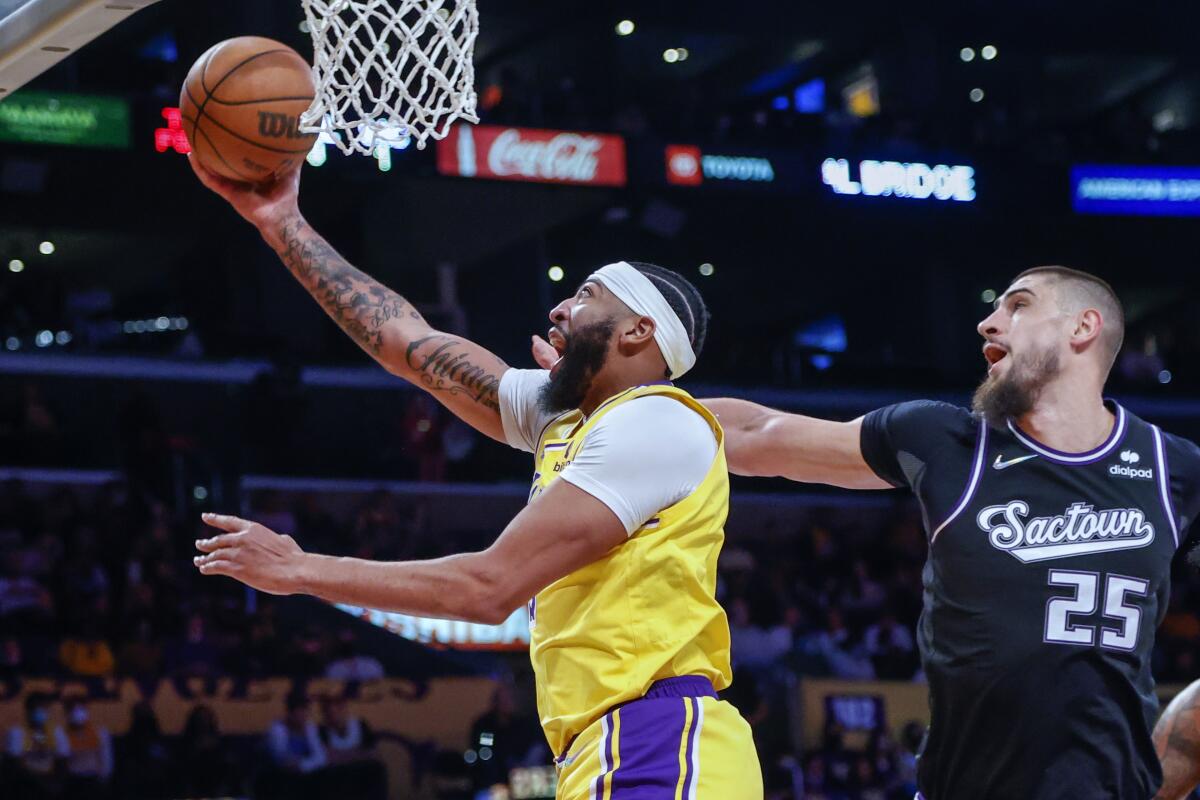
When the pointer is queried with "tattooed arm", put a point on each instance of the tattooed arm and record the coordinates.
(1177, 741)
(460, 374)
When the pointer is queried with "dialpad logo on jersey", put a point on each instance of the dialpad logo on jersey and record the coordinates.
(1079, 531)
(1128, 468)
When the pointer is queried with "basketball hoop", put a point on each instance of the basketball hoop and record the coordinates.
(390, 71)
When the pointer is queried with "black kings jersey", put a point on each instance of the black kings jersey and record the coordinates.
(1047, 575)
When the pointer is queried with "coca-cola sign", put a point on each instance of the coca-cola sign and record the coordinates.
(529, 154)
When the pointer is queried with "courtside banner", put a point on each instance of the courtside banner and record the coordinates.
(1140, 191)
(533, 155)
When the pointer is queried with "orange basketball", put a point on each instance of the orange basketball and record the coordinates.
(241, 107)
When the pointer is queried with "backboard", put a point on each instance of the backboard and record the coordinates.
(37, 34)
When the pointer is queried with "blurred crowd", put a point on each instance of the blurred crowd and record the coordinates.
(78, 759)
(97, 583)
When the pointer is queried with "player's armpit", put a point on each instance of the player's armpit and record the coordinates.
(1177, 742)
(763, 442)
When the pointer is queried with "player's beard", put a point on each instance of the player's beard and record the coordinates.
(583, 357)
(1003, 397)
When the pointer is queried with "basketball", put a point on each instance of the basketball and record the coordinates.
(241, 107)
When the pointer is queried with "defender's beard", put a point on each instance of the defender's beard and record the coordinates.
(1002, 397)
(585, 354)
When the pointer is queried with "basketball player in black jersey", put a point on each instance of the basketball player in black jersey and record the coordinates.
(1052, 516)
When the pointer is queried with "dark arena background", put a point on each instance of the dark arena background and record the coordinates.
(849, 185)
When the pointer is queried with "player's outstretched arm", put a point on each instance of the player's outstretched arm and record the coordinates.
(1177, 742)
(564, 529)
(462, 375)
(763, 442)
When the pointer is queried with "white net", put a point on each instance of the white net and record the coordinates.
(390, 71)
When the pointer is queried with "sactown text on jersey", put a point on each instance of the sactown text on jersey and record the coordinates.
(1080, 530)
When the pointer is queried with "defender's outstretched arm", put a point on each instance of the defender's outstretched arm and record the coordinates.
(763, 442)
(459, 373)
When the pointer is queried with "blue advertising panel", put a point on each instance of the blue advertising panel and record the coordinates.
(1142, 191)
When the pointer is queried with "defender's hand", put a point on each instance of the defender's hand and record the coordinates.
(262, 205)
(251, 553)
(544, 353)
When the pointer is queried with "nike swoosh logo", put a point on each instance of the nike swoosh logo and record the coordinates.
(1000, 463)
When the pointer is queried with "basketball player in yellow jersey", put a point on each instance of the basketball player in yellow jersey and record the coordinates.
(617, 547)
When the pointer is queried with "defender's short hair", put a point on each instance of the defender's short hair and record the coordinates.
(1078, 290)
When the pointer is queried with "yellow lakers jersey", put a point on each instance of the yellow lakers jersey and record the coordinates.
(646, 610)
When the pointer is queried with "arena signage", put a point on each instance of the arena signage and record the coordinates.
(512, 634)
(687, 165)
(913, 181)
(1143, 191)
(529, 154)
(65, 119)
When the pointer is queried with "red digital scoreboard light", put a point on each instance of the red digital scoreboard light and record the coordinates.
(172, 137)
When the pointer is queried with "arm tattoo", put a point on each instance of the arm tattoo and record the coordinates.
(445, 367)
(360, 305)
(1177, 740)
(363, 307)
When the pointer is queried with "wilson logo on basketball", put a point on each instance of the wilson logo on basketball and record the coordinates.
(279, 126)
(525, 154)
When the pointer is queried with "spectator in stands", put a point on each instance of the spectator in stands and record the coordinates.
(90, 760)
(422, 426)
(863, 595)
(378, 524)
(308, 652)
(28, 428)
(881, 752)
(25, 605)
(263, 652)
(835, 645)
(141, 656)
(206, 765)
(87, 654)
(911, 737)
(143, 759)
(501, 739)
(350, 748)
(294, 744)
(195, 654)
(890, 647)
(37, 751)
(351, 665)
(759, 638)
(837, 762)
(12, 659)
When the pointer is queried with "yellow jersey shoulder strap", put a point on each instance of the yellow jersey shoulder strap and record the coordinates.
(659, 389)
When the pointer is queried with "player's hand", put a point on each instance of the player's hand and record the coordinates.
(251, 553)
(544, 353)
(262, 205)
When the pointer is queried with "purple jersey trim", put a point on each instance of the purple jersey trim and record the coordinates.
(973, 483)
(1164, 482)
(1075, 459)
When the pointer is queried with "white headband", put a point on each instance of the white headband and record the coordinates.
(641, 295)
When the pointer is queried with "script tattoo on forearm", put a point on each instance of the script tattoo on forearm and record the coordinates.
(1177, 740)
(359, 304)
(444, 366)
